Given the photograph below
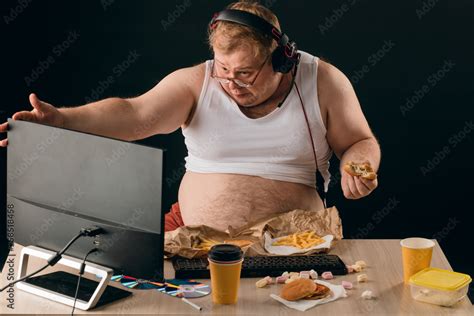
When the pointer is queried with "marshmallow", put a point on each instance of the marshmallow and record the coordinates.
(285, 274)
(362, 278)
(361, 263)
(356, 267)
(313, 274)
(281, 279)
(304, 275)
(327, 275)
(261, 283)
(347, 285)
(367, 295)
(294, 274)
(269, 279)
(290, 280)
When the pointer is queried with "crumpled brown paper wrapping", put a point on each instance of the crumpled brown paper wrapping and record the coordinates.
(323, 222)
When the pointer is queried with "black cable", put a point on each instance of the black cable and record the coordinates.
(54, 259)
(293, 78)
(51, 262)
(81, 272)
(322, 193)
(93, 231)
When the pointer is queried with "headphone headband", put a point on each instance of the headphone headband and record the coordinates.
(284, 57)
(251, 20)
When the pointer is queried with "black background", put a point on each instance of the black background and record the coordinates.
(434, 204)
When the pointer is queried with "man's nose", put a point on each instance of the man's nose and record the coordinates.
(234, 86)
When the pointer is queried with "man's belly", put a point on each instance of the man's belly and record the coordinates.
(220, 200)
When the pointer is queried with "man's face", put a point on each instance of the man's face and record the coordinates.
(242, 65)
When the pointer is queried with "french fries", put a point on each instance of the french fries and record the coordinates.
(205, 243)
(303, 240)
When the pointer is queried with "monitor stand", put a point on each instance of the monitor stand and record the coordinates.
(60, 286)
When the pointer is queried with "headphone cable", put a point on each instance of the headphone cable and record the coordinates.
(323, 193)
(293, 78)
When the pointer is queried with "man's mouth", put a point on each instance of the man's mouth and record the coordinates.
(239, 94)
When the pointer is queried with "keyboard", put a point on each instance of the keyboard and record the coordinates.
(252, 267)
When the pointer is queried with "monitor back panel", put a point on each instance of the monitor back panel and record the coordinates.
(87, 174)
(58, 179)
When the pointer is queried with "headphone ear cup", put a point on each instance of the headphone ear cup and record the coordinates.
(278, 59)
(281, 62)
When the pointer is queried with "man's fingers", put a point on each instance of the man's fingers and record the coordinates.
(24, 116)
(4, 127)
(36, 103)
(344, 185)
(352, 186)
(348, 193)
(345, 188)
(4, 142)
(361, 187)
(370, 184)
(363, 182)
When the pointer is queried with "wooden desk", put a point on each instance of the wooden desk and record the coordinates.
(385, 280)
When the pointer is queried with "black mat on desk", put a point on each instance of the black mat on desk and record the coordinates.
(66, 283)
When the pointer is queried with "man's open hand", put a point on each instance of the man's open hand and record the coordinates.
(43, 113)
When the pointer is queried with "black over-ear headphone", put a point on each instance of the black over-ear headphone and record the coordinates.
(284, 57)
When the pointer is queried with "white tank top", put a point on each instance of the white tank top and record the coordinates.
(221, 139)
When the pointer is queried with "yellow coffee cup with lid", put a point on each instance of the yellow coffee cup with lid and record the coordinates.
(225, 264)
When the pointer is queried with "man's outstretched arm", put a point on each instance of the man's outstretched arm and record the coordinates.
(161, 110)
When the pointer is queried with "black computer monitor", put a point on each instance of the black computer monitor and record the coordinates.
(60, 181)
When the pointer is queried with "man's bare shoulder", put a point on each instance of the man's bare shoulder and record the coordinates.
(193, 77)
(331, 80)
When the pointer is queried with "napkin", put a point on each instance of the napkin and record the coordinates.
(289, 250)
(302, 305)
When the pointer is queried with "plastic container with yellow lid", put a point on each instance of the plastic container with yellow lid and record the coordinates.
(438, 286)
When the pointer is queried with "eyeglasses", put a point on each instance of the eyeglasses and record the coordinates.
(238, 82)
